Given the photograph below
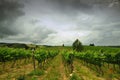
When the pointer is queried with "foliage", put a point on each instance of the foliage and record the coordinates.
(92, 44)
(42, 56)
(68, 58)
(77, 46)
(9, 54)
(98, 56)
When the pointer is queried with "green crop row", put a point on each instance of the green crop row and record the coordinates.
(42, 55)
(8, 54)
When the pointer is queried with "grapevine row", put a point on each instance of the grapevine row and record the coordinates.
(98, 59)
(43, 56)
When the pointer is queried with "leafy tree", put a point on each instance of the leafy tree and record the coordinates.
(77, 45)
(63, 45)
(92, 44)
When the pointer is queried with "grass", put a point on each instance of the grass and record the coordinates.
(84, 72)
(36, 72)
(53, 73)
(21, 77)
(33, 78)
(75, 77)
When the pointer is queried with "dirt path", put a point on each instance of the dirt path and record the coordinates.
(62, 69)
(56, 70)
(15, 72)
(84, 72)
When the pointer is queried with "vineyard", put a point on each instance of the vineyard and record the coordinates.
(60, 63)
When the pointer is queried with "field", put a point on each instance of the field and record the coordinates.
(59, 63)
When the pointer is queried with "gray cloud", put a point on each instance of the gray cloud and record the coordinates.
(10, 10)
(102, 32)
(36, 35)
(58, 21)
(85, 6)
(104, 38)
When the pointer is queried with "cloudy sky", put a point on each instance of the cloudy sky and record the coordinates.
(54, 22)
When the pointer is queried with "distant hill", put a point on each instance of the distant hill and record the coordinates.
(114, 46)
(16, 45)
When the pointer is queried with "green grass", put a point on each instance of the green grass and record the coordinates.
(36, 72)
(75, 77)
(33, 78)
(54, 74)
(21, 77)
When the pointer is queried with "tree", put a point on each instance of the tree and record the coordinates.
(63, 45)
(92, 44)
(77, 46)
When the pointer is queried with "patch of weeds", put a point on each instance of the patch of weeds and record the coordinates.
(118, 71)
(8, 76)
(34, 78)
(21, 77)
(54, 78)
(36, 72)
(1, 71)
(53, 75)
(75, 77)
(97, 74)
(53, 66)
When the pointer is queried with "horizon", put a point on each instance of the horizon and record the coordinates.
(55, 45)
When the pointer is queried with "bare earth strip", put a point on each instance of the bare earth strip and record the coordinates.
(62, 70)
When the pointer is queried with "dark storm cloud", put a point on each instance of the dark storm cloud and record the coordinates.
(73, 7)
(76, 4)
(86, 6)
(10, 10)
(5, 29)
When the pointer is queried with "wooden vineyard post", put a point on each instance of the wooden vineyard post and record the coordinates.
(110, 74)
(33, 58)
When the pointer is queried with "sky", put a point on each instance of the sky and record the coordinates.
(57, 22)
